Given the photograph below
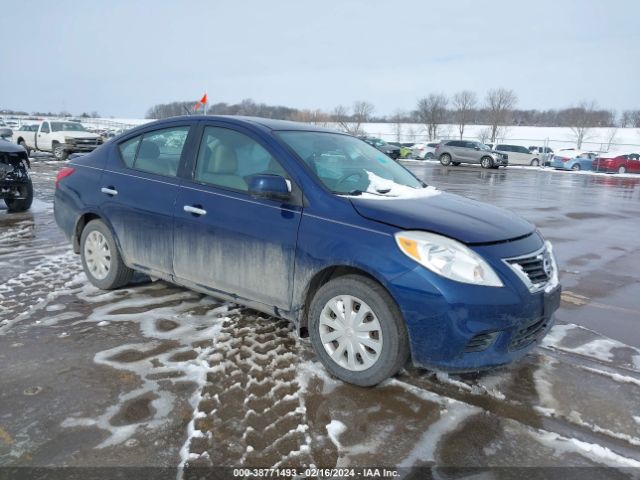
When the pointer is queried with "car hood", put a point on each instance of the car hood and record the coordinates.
(8, 147)
(447, 214)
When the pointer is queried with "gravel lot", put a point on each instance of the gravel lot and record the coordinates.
(155, 375)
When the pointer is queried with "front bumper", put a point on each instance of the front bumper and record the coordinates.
(80, 147)
(459, 327)
(503, 162)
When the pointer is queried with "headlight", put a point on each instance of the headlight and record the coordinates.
(447, 257)
(69, 140)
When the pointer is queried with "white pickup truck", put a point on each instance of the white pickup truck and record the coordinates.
(59, 137)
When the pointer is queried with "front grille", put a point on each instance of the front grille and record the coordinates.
(537, 268)
(480, 342)
(528, 333)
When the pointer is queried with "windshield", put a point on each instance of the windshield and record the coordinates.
(484, 147)
(349, 166)
(67, 127)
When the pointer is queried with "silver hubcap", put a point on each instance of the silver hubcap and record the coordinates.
(446, 159)
(350, 333)
(622, 170)
(97, 255)
(58, 151)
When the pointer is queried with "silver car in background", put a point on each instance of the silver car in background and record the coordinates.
(455, 152)
(519, 155)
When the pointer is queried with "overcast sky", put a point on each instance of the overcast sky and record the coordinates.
(121, 57)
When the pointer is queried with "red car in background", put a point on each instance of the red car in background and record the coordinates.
(615, 162)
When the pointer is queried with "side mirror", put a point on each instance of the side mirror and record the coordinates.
(476, 148)
(270, 186)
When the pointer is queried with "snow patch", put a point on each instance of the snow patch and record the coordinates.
(334, 429)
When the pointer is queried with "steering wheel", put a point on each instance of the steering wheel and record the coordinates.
(359, 173)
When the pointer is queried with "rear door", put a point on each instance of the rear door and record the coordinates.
(139, 188)
(225, 239)
(633, 163)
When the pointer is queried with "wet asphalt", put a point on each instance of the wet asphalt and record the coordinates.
(155, 375)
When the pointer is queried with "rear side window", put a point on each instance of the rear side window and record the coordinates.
(156, 152)
(129, 149)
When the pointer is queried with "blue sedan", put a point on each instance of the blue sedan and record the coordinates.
(319, 228)
(573, 160)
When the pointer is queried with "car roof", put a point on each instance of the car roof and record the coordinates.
(268, 123)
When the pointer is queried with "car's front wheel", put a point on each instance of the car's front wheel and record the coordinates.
(24, 203)
(576, 167)
(357, 330)
(535, 162)
(101, 259)
(486, 162)
(59, 152)
(622, 169)
(445, 159)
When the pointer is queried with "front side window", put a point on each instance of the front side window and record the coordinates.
(45, 128)
(347, 165)
(228, 159)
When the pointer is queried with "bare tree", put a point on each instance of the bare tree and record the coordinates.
(581, 120)
(484, 134)
(352, 122)
(500, 103)
(432, 111)
(314, 117)
(464, 103)
(397, 121)
(611, 135)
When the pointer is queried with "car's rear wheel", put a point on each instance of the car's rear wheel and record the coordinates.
(535, 162)
(622, 169)
(101, 259)
(576, 167)
(445, 159)
(429, 156)
(59, 152)
(357, 330)
(24, 203)
(486, 162)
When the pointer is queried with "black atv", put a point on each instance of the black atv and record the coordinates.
(15, 184)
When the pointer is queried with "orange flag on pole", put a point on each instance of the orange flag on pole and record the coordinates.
(203, 101)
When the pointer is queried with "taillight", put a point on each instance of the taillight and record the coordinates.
(565, 159)
(64, 172)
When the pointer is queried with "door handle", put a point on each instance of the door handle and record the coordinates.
(194, 210)
(109, 191)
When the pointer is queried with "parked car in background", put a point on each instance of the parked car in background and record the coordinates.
(60, 137)
(424, 151)
(386, 148)
(519, 155)
(15, 183)
(572, 159)
(377, 267)
(455, 152)
(613, 162)
(405, 152)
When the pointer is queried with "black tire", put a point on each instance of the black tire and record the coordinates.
(429, 156)
(486, 162)
(576, 167)
(21, 204)
(395, 346)
(118, 273)
(535, 162)
(445, 159)
(455, 164)
(23, 144)
(59, 152)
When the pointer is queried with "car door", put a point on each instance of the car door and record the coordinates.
(471, 152)
(43, 137)
(139, 185)
(633, 163)
(225, 239)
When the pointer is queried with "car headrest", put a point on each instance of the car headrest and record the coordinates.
(225, 160)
